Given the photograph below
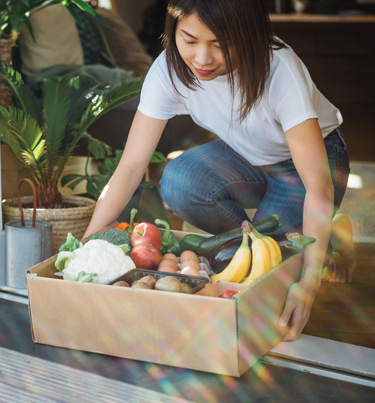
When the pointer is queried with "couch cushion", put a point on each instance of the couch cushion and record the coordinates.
(57, 40)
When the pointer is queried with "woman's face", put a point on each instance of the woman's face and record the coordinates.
(199, 48)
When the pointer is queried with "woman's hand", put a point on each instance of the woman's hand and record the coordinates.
(297, 309)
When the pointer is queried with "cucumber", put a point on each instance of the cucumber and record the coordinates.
(191, 242)
(208, 246)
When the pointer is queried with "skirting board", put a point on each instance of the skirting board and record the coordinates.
(324, 357)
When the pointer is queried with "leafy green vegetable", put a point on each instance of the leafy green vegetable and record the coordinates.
(84, 277)
(125, 248)
(71, 244)
(115, 237)
(62, 258)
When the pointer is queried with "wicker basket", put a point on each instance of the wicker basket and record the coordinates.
(64, 220)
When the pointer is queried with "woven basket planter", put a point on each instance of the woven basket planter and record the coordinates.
(64, 220)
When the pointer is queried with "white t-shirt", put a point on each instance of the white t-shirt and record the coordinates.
(290, 97)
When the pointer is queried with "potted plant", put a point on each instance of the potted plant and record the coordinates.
(43, 134)
(15, 13)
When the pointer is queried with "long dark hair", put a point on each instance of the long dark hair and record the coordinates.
(242, 27)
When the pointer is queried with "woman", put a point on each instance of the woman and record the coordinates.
(280, 146)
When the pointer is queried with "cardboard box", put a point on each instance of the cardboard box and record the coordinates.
(200, 331)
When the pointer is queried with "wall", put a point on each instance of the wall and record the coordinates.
(340, 56)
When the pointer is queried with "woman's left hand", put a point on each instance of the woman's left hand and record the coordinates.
(297, 309)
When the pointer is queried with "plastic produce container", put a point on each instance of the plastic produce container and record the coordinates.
(196, 283)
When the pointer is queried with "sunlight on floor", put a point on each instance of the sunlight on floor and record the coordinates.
(355, 181)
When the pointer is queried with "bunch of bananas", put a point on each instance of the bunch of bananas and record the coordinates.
(238, 267)
(266, 254)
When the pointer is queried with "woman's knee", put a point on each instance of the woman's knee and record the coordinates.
(175, 184)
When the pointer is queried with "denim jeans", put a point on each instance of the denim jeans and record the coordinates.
(211, 185)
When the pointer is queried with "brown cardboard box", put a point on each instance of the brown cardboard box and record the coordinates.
(201, 331)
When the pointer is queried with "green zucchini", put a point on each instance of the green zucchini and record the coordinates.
(209, 245)
(191, 242)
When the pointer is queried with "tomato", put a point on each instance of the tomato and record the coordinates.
(229, 294)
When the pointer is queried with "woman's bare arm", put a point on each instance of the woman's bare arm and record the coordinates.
(143, 138)
(310, 158)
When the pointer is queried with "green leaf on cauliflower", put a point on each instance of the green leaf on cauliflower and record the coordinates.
(62, 259)
(84, 277)
(71, 244)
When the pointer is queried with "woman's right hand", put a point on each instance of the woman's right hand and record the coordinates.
(144, 136)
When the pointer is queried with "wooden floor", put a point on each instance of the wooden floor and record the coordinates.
(346, 312)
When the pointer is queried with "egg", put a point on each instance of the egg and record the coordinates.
(190, 271)
(189, 255)
(167, 269)
(168, 263)
(171, 256)
(190, 263)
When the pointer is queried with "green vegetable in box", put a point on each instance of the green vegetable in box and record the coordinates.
(116, 237)
(170, 244)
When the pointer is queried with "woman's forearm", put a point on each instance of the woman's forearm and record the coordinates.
(114, 198)
(317, 223)
(143, 138)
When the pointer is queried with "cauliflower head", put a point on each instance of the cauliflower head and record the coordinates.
(100, 258)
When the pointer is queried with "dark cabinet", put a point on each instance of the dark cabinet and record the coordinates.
(340, 55)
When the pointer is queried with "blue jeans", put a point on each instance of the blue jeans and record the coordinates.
(211, 185)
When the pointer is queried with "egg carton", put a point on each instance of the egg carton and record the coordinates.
(205, 270)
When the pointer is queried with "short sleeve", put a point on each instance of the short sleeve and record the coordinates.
(291, 90)
(159, 99)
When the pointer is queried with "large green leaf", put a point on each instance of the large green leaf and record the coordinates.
(23, 136)
(25, 98)
(94, 183)
(22, 127)
(111, 99)
(89, 10)
(99, 149)
(158, 157)
(82, 90)
(56, 109)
